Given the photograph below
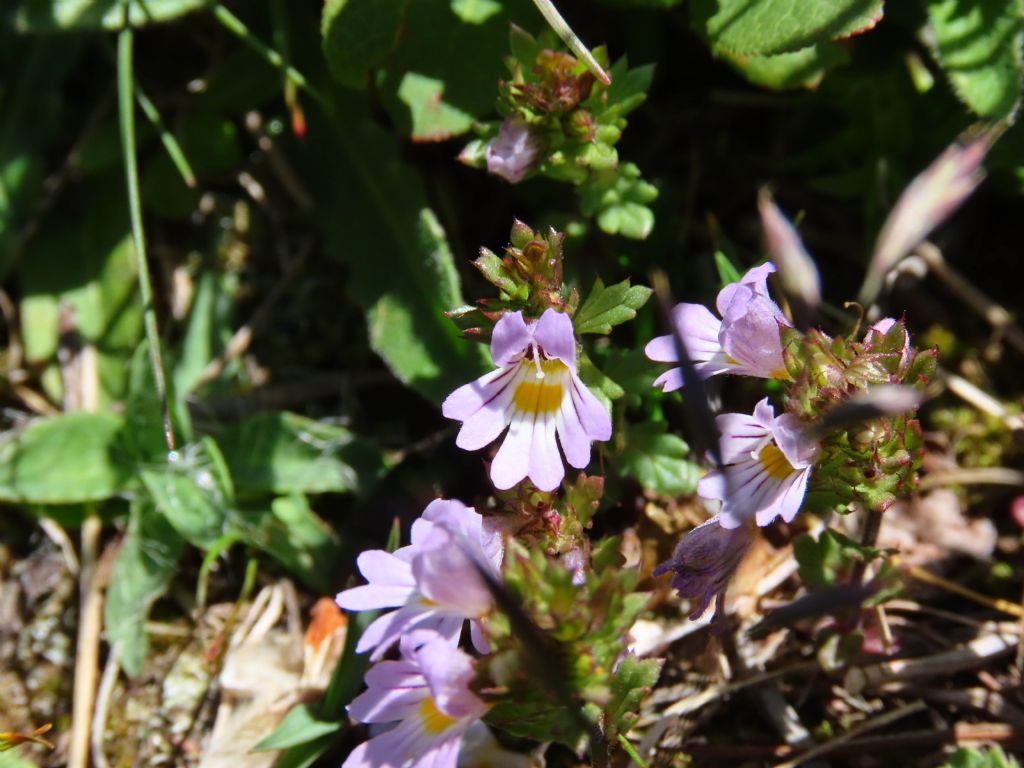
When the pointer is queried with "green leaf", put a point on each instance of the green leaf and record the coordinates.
(973, 757)
(358, 35)
(60, 15)
(608, 307)
(300, 726)
(475, 11)
(978, 44)
(767, 27)
(618, 198)
(141, 573)
(432, 118)
(657, 459)
(604, 388)
(727, 271)
(804, 68)
(193, 491)
(632, 681)
(64, 459)
(293, 535)
(402, 270)
(278, 452)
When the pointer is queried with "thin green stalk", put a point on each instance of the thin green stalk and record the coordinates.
(170, 143)
(633, 755)
(561, 26)
(126, 109)
(237, 27)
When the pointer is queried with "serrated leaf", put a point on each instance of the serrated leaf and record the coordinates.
(43, 16)
(631, 682)
(279, 452)
(657, 459)
(606, 307)
(358, 35)
(767, 27)
(64, 459)
(978, 43)
(141, 573)
(300, 726)
(804, 68)
(619, 198)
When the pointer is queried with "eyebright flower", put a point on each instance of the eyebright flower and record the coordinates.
(767, 459)
(425, 698)
(745, 341)
(704, 561)
(536, 393)
(433, 582)
(513, 152)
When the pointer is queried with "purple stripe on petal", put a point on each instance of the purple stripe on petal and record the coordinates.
(486, 424)
(741, 435)
(596, 421)
(510, 338)
(470, 398)
(546, 468)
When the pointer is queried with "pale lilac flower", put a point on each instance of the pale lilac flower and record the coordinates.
(433, 582)
(704, 561)
(513, 152)
(536, 393)
(425, 701)
(767, 460)
(745, 341)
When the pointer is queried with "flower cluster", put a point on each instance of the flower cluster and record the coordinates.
(768, 459)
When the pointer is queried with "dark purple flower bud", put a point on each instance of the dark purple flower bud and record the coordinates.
(513, 152)
(704, 561)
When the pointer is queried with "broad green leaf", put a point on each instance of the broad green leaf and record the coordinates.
(978, 44)
(606, 307)
(804, 68)
(767, 27)
(432, 118)
(299, 726)
(61, 15)
(294, 536)
(402, 271)
(657, 459)
(141, 573)
(475, 11)
(455, 66)
(64, 459)
(278, 452)
(193, 491)
(358, 35)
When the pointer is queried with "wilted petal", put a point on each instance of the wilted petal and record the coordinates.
(514, 151)
(704, 561)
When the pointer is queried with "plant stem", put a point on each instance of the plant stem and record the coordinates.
(170, 143)
(126, 109)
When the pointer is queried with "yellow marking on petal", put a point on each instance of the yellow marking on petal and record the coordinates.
(541, 395)
(781, 374)
(774, 462)
(434, 720)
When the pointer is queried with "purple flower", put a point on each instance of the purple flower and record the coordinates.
(425, 701)
(745, 341)
(433, 582)
(767, 462)
(513, 151)
(536, 393)
(704, 561)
